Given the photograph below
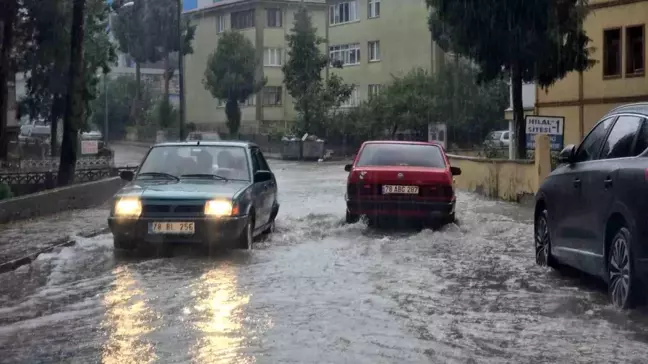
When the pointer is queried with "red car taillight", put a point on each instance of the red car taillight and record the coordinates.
(438, 191)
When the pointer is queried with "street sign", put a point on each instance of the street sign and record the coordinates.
(438, 133)
(89, 147)
(554, 126)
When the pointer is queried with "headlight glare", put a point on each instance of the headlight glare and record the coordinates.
(218, 208)
(128, 207)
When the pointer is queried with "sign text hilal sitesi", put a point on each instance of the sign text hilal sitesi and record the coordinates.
(553, 126)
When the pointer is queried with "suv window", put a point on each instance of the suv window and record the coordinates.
(393, 154)
(642, 139)
(589, 148)
(622, 136)
(505, 136)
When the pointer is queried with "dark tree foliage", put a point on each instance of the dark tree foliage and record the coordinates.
(231, 75)
(532, 40)
(314, 99)
(46, 57)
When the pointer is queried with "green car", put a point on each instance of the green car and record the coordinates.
(217, 193)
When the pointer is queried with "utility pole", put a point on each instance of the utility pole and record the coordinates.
(181, 72)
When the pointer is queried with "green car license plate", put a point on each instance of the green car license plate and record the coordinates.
(175, 227)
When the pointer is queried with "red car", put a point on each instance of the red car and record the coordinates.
(401, 179)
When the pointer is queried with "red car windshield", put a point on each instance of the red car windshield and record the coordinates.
(413, 155)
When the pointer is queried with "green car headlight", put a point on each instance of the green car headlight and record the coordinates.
(218, 208)
(128, 207)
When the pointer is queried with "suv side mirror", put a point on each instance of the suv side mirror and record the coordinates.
(567, 155)
(126, 175)
(456, 171)
(262, 176)
(348, 167)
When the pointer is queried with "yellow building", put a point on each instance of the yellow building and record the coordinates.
(377, 41)
(266, 24)
(618, 32)
(374, 40)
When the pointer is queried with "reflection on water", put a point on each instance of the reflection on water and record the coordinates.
(218, 316)
(126, 321)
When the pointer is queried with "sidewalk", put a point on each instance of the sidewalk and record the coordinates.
(24, 238)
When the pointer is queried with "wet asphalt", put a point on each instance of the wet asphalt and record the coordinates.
(320, 291)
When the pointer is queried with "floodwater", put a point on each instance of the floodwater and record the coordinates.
(319, 291)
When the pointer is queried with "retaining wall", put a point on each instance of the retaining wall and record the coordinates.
(78, 196)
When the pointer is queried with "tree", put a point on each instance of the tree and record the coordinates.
(164, 30)
(133, 34)
(46, 56)
(231, 75)
(535, 40)
(303, 76)
(74, 98)
(120, 94)
(8, 19)
(419, 98)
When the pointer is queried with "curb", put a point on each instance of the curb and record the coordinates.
(58, 243)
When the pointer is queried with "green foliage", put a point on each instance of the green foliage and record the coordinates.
(419, 98)
(231, 75)
(132, 31)
(5, 191)
(314, 99)
(46, 51)
(121, 93)
(165, 115)
(534, 40)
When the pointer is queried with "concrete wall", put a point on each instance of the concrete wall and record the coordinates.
(497, 178)
(78, 196)
(509, 180)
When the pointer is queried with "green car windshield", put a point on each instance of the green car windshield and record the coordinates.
(191, 161)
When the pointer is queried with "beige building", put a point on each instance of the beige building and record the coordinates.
(374, 40)
(618, 32)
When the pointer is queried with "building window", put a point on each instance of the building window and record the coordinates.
(220, 23)
(272, 96)
(251, 101)
(374, 9)
(347, 54)
(274, 18)
(272, 56)
(353, 100)
(612, 52)
(343, 12)
(374, 51)
(374, 90)
(635, 40)
(243, 19)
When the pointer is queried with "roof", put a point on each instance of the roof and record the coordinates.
(209, 143)
(232, 3)
(639, 108)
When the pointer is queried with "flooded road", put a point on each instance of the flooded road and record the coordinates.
(318, 291)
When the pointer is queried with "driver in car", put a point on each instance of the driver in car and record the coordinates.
(231, 167)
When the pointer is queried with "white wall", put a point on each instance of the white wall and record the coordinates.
(528, 96)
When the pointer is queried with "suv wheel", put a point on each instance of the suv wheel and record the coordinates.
(622, 282)
(542, 241)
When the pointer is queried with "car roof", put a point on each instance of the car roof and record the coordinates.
(209, 143)
(401, 142)
(636, 108)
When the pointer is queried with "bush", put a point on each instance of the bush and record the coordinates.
(5, 191)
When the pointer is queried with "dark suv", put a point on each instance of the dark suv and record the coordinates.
(589, 212)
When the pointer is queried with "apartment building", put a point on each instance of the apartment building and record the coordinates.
(378, 40)
(375, 40)
(618, 32)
